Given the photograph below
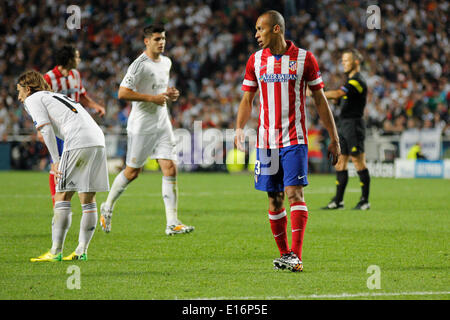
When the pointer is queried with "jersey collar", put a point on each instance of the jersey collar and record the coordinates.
(289, 48)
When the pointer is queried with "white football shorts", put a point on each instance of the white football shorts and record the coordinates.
(140, 147)
(83, 170)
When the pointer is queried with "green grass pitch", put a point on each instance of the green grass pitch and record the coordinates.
(229, 256)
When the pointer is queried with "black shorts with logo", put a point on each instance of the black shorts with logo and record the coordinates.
(351, 136)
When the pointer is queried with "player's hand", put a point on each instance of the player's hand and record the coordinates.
(334, 151)
(160, 99)
(239, 139)
(173, 93)
(101, 111)
(55, 171)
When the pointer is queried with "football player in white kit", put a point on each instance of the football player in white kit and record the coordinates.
(149, 129)
(82, 167)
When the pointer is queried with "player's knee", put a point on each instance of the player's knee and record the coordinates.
(359, 161)
(342, 163)
(64, 196)
(131, 173)
(168, 168)
(170, 172)
(87, 197)
(294, 194)
(360, 166)
(276, 201)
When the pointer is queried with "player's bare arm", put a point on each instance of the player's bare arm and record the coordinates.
(334, 94)
(244, 113)
(130, 95)
(87, 102)
(325, 114)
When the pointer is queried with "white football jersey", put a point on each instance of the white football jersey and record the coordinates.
(70, 121)
(148, 77)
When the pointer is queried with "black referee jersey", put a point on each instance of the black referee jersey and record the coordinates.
(354, 101)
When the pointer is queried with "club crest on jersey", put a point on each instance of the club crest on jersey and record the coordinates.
(293, 65)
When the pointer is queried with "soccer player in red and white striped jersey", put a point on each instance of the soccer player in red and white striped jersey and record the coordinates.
(66, 79)
(281, 72)
(282, 80)
(70, 85)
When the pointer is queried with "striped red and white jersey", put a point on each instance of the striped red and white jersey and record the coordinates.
(282, 81)
(71, 86)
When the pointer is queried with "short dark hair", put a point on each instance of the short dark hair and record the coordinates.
(64, 55)
(275, 18)
(356, 55)
(153, 28)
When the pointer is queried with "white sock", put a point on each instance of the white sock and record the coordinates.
(87, 227)
(118, 187)
(62, 219)
(170, 197)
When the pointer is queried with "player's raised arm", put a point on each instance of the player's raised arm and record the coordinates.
(326, 116)
(131, 95)
(244, 113)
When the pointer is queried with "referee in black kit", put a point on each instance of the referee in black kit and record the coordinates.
(351, 129)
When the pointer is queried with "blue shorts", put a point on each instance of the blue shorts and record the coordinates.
(278, 168)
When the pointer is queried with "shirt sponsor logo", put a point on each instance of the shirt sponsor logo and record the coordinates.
(277, 77)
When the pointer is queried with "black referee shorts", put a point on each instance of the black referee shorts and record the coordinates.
(351, 136)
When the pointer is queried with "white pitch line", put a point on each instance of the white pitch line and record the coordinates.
(331, 296)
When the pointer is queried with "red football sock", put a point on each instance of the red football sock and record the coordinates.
(278, 224)
(299, 217)
(51, 182)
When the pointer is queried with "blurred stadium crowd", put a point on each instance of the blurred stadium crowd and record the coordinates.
(209, 42)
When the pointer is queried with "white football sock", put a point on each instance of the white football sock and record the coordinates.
(118, 187)
(87, 227)
(62, 219)
(170, 197)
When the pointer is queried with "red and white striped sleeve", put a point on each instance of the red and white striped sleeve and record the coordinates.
(312, 72)
(48, 80)
(250, 81)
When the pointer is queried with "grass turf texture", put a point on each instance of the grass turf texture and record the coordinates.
(229, 256)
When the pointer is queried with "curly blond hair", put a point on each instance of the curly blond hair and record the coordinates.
(34, 80)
